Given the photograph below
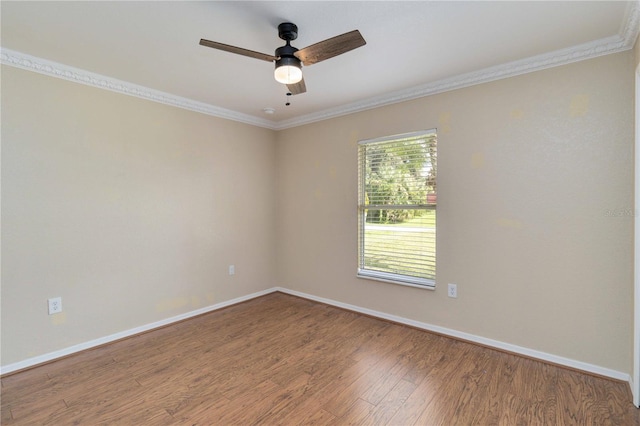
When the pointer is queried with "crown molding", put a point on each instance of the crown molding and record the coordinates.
(65, 72)
(625, 40)
(630, 28)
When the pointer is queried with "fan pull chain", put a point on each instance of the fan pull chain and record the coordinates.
(288, 103)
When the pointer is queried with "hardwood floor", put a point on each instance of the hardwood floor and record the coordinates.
(279, 359)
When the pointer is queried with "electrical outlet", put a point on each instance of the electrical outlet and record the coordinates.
(55, 305)
(232, 270)
(452, 290)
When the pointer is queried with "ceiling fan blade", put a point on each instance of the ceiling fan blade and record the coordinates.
(297, 88)
(330, 47)
(237, 50)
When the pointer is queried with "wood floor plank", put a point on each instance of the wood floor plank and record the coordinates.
(366, 374)
(384, 383)
(290, 397)
(315, 418)
(282, 360)
(477, 403)
(355, 414)
(413, 407)
(426, 355)
(5, 415)
(249, 406)
(451, 378)
(469, 395)
(500, 376)
(517, 411)
(203, 408)
(35, 411)
(389, 405)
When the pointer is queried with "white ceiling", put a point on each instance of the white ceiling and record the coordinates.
(413, 48)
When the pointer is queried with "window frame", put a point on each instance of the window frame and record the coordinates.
(389, 277)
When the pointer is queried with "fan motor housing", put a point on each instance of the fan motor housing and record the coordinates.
(286, 50)
(288, 31)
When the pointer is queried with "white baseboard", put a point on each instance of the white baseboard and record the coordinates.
(543, 356)
(31, 362)
(531, 353)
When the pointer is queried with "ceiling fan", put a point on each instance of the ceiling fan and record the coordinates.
(289, 60)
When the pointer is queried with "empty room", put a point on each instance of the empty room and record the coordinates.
(300, 212)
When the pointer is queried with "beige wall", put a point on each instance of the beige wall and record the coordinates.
(535, 177)
(129, 210)
(132, 211)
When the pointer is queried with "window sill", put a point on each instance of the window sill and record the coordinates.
(389, 278)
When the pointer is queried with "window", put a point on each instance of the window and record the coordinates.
(397, 209)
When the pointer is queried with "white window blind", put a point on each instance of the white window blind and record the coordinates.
(397, 208)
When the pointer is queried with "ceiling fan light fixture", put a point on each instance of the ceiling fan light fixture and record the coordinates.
(288, 70)
(289, 59)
